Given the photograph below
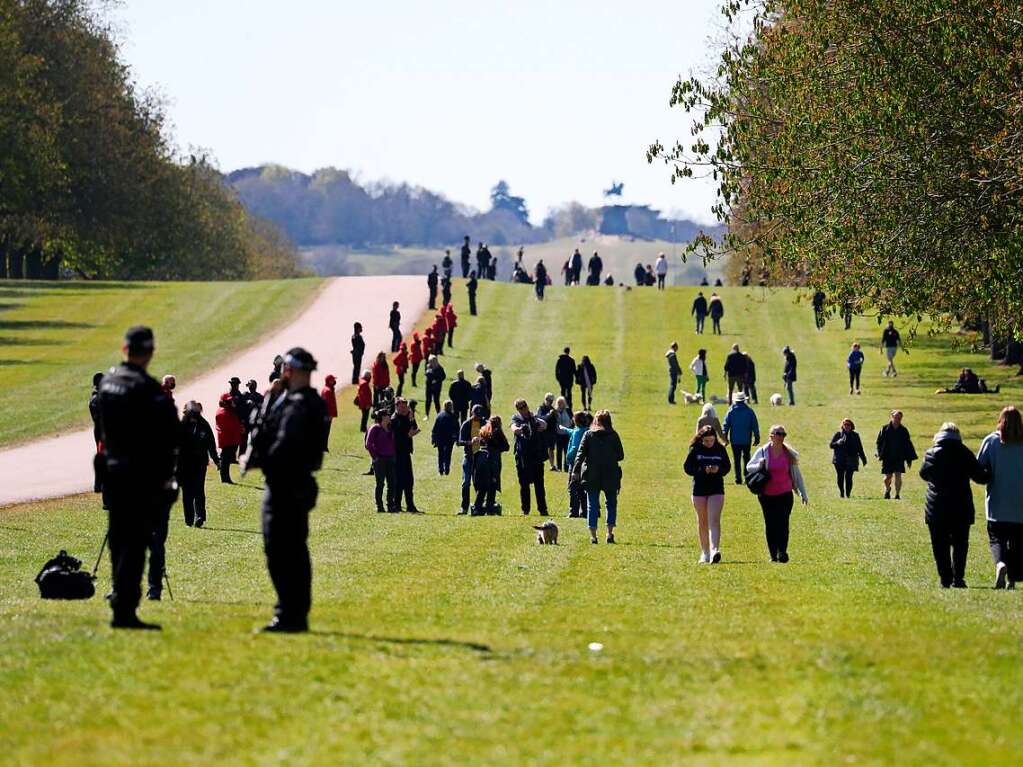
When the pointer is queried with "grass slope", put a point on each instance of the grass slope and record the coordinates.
(451, 640)
(619, 255)
(55, 335)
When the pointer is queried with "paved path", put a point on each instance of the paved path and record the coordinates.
(62, 465)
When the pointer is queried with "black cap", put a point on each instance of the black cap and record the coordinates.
(235, 380)
(139, 339)
(299, 359)
(96, 378)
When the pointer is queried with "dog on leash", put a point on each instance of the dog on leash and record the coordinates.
(776, 399)
(547, 533)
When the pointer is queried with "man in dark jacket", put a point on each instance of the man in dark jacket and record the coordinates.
(564, 373)
(241, 409)
(253, 401)
(290, 448)
(576, 266)
(358, 349)
(788, 375)
(742, 430)
(674, 371)
(466, 255)
(750, 387)
(458, 393)
(530, 455)
(432, 280)
(700, 311)
(540, 279)
(404, 426)
(595, 266)
(735, 371)
(472, 286)
(97, 429)
(196, 450)
(468, 439)
(394, 323)
(948, 468)
(447, 263)
(445, 290)
(896, 451)
(140, 436)
(478, 396)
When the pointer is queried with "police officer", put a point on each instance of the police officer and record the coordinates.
(97, 434)
(289, 448)
(432, 280)
(140, 433)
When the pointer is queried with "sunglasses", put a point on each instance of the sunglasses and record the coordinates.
(778, 434)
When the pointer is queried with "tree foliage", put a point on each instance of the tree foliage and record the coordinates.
(873, 149)
(501, 198)
(88, 180)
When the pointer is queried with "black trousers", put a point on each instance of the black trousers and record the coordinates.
(415, 371)
(844, 477)
(405, 481)
(566, 392)
(587, 395)
(432, 395)
(465, 270)
(561, 451)
(461, 412)
(444, 457)
(1006, 542)
(228, 455)
(401, 383)
(395, 339)
(854, 378)
(716, 324)
(384, 472)
(285, 517)
(532, 474)
(451, 338)
(133, 515)
(433, 298)
(660, 281)
(158, 551)
(356, 367)
(700, 319)
(472, 304)
(750, 390)
(193, 493)
(740, 457)
(950, 544)
(365, 420)
(777, 510)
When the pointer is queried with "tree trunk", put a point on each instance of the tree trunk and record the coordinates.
(16, 268)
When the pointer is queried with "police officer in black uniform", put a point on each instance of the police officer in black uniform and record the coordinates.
(140, 433)
(288, 446)
(97, 434)
(432, 280)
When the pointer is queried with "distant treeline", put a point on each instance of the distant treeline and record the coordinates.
(329, 207)
(89, 183)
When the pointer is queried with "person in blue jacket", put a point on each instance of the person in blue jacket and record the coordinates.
(855, 364)
(577, 503)
(444, 436)
(742, 431)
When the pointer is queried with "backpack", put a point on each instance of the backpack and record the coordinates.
(63, 578)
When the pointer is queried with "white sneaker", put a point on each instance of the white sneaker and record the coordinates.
(1001, 574)
(704, 558)
(715, 557)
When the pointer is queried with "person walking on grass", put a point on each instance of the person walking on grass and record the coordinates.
(855, 364)
(782, 464)
(485, 373)
(329, 397)
(563, 424)
(358, 350)
(444, 436)
(229, 436)
(530, 455)
(742, 431)
(564, 374)
(434, 377)
(890, 343)
(452, 320)
(577, 503)
(404, 428)
(750, 385)
(446, 263)
(596, 464)
(415, 356)
(380, 446)
(947, 468)
(394, 323)
(716, 309)
(196, 450)
(468, 433)
(700, 371)
(788, 374)
(818, 309)
(540, 279)
(707, 463)
(661, 270)
(1001, 456)
(674, 370)
(472, 286)
(364, 399)
(586, 377)
(709, 417)
(400, 361)
(699, 311)
(432, 281)
(466, 254)
(735, 371)
(895, 451)
(846, 454)
(459, 393)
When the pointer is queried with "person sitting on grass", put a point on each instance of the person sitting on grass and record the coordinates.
(969, 383)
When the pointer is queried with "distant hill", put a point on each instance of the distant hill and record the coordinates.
(330, 208)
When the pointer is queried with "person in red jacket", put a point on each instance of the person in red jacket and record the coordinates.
(229, 436)
(427, 343)
(329, 398)
(416, 355)
(364, 399)
(440, 331)
(381, 376)
(452, 320)
(400, 366)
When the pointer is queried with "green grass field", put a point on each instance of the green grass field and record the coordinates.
(453, 640)
(619, 255)
(54, 336)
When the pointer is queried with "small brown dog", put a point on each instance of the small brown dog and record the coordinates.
(547, 533)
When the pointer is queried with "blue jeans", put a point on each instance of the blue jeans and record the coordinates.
(444, 458)
(466, 480)
(672, 385)
(593, 512)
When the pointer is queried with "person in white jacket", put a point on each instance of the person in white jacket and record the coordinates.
(699, 368)
(776, 500)
(661, 270)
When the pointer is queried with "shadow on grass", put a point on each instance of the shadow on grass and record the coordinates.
(11, 363)
(231, 530)
(42, 324)
(412, 641)
(43, 285)
(11, 341)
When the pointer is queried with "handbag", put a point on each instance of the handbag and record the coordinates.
(757, 480)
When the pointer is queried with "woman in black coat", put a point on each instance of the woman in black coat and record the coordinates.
(948, 468)
(586, 377)
(847, 452)
(486, 474)
(707, 463)
(596, 465)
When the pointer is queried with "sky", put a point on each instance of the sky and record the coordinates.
(558, 98)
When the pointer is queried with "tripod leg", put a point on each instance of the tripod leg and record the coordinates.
(100, 557)
(167, 579)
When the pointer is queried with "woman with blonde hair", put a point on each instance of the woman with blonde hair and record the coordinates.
(1001, 454)
(781, 463)
(596, 464)
(709, 417)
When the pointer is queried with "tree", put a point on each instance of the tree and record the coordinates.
(502, 199)
(874, 150)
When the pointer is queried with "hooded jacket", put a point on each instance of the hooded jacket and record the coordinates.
(400, 360)
(229, 428)
(364, 397)
(948, 468)
(741, 426)
(381, 374)
(329, 396)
